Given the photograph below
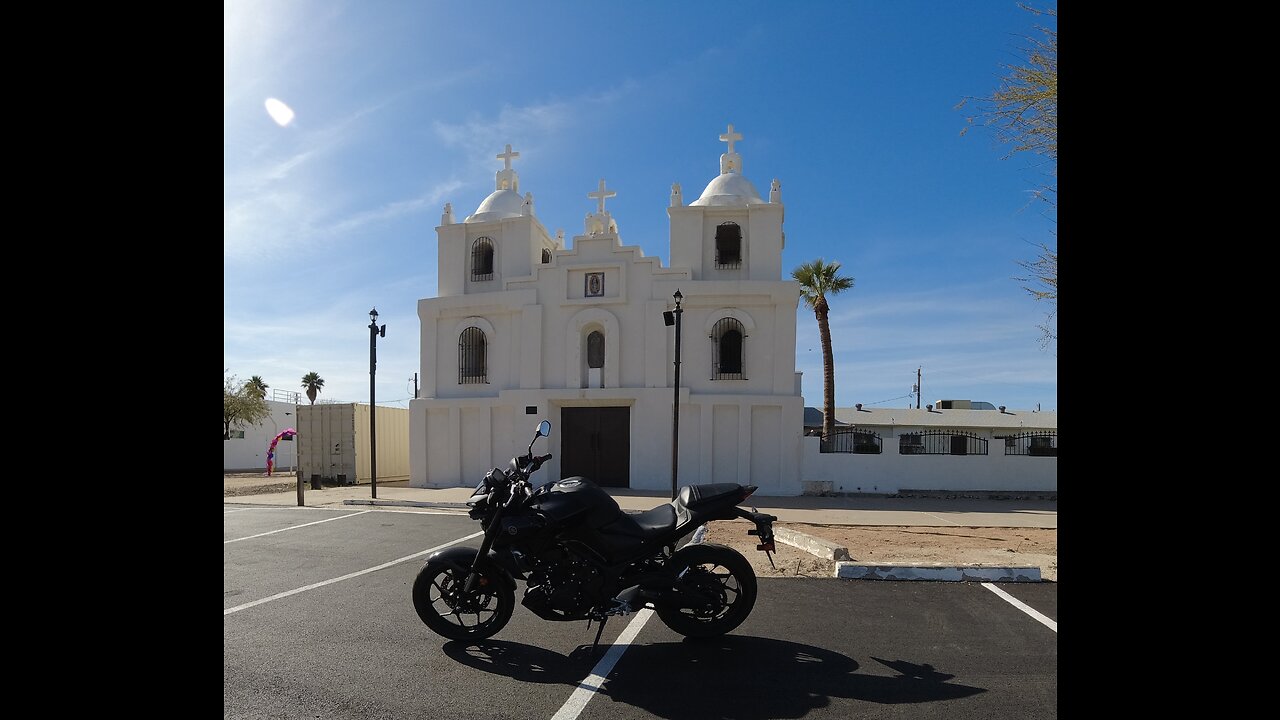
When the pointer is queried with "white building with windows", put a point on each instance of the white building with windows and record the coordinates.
(526, 329)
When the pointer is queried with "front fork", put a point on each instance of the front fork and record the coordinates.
(473, 578)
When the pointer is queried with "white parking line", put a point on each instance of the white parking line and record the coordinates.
(588, 687)
(348, 576)
(1051, 624)
(228, 512)
(943, 519)
(294, 527)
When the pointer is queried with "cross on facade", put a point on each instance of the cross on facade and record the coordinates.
(728, 137)
(506, 156)
(601, 194)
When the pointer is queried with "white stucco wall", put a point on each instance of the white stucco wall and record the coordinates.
(250, 453)
(891, 472)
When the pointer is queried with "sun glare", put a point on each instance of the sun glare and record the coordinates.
(279, 112)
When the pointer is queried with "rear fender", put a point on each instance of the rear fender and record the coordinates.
(460, 558)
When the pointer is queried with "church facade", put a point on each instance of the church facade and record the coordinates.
(525, 329)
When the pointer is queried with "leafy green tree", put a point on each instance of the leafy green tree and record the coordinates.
(241, 405)
(818, 279)
(312, 382)
(1023, 112)
(258, 385)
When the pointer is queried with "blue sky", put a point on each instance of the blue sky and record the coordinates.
(401, 107)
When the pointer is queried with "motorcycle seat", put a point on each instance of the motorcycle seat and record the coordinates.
(629, 530)
(694, 496)
(658, 520)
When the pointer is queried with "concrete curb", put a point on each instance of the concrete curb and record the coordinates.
(820, 547)
(405, 503)
(952, 573)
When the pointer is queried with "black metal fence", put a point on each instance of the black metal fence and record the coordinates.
(941, 442)
(1043, 443)
(849, 440)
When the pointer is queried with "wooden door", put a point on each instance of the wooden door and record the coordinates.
(596, 444)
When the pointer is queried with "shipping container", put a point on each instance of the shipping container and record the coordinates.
(333, 443)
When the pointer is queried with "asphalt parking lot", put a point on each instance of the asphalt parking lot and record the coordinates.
(318, 623)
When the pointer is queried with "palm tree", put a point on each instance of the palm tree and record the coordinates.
(258, 385)
(817, 280)
(312, 382)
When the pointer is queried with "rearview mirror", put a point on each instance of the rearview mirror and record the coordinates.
(544, 428)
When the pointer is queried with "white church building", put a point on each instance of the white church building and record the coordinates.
(526, 329)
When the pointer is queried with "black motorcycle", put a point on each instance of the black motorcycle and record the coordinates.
(583, 558)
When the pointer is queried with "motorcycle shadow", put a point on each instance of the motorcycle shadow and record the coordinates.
(734, 676)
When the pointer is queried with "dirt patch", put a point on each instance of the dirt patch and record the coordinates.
(238, 484)
(1033, 547)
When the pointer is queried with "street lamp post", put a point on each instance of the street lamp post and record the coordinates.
(673, 318)
(374, 333)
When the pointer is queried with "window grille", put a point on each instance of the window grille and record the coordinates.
(728, 245)
(471, 356)
(727, 344)
(482, 259)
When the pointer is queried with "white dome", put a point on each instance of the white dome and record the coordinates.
(729, 189)
(499, 205)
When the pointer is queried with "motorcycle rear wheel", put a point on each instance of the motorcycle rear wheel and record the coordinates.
(717, 570)
(442, 604)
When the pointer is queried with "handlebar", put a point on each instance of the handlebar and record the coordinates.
(535, 462)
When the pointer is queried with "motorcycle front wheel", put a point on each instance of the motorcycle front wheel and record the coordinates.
(717, 572)
(446, 608)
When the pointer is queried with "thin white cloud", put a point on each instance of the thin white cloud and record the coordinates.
(971, 346)
(432, 199)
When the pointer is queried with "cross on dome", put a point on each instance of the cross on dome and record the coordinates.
(506, 156)
(728, 137)
(601, 194)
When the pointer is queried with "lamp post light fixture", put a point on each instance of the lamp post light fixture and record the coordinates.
(672, 317)
(374, 333)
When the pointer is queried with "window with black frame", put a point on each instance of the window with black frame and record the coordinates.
(727, 344)
(728, 245)
(471, 356)
(482, 259)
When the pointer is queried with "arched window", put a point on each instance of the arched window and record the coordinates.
(728, 245)
(546, 256)
(482, 259)
(595, 349)
(471, 356)
(726, 350)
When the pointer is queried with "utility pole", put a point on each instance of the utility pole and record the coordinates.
(415, 386)
(917, 388)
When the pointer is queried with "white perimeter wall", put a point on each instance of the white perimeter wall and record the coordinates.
(250, 453)
(890, 472)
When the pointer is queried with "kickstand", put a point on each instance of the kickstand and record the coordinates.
(770, 556)
(595, 644)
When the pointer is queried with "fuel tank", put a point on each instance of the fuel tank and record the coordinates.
(576, 501)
